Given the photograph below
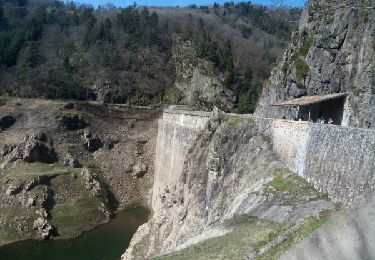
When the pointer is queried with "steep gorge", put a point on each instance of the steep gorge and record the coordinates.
(234, 180)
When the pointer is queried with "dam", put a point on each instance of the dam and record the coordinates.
(337, 160)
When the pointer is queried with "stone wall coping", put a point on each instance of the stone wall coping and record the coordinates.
(190, 113)
(209, 114)
(304, 122)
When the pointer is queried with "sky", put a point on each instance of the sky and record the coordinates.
(181, 2)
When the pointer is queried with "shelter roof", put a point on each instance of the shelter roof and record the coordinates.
(309, 100)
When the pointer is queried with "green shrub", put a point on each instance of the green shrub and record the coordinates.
(306, 47)
(355, 90)
(302, 69)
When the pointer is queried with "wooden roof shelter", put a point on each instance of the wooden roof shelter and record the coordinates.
(320, 106)
(310, 100)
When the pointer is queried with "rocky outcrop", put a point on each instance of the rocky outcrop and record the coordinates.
(94, 185)
(72, 122)
(71, 161)
(332, 52)
(91, 182)
(200, 84)
(44, 229)
(91, 142)
(6, 149)
(39, 148)
(139, 170)
(13, 189)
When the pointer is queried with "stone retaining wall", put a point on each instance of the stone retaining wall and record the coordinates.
(335, 159)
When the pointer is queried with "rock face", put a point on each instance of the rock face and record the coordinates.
(197, 80)
(333, 52)
(37, 149)
(6, 122)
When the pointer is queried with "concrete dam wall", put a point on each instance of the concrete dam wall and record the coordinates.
(337, 160)
(177, 131)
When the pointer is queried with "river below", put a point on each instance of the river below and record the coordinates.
(106, 242)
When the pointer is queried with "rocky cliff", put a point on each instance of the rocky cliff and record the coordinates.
(199, 83)
(332, 52)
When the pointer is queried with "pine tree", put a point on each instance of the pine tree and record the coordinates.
(3, 22)
(30, 56)
(248, 96)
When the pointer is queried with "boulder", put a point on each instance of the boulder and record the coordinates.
(72, 122)
(71, 161)
(109, 144)
(32, 184)
(139, 170)
(37, 150)
(14, 155)
(92, 183)
(216, 119)
(131, 123)
(13, 190)
(31, 202)
(87, 134)
(44, 229)
(6, 122)
(42, 212)
(92, 143)
(6, 149)
(69, 106)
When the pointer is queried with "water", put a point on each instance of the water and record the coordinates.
(106, 242)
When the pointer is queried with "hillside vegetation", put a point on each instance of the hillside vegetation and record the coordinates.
(62, 50)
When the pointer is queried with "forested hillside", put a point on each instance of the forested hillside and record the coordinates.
(67, 51)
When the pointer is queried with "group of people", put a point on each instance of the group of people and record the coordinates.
(321, 120)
